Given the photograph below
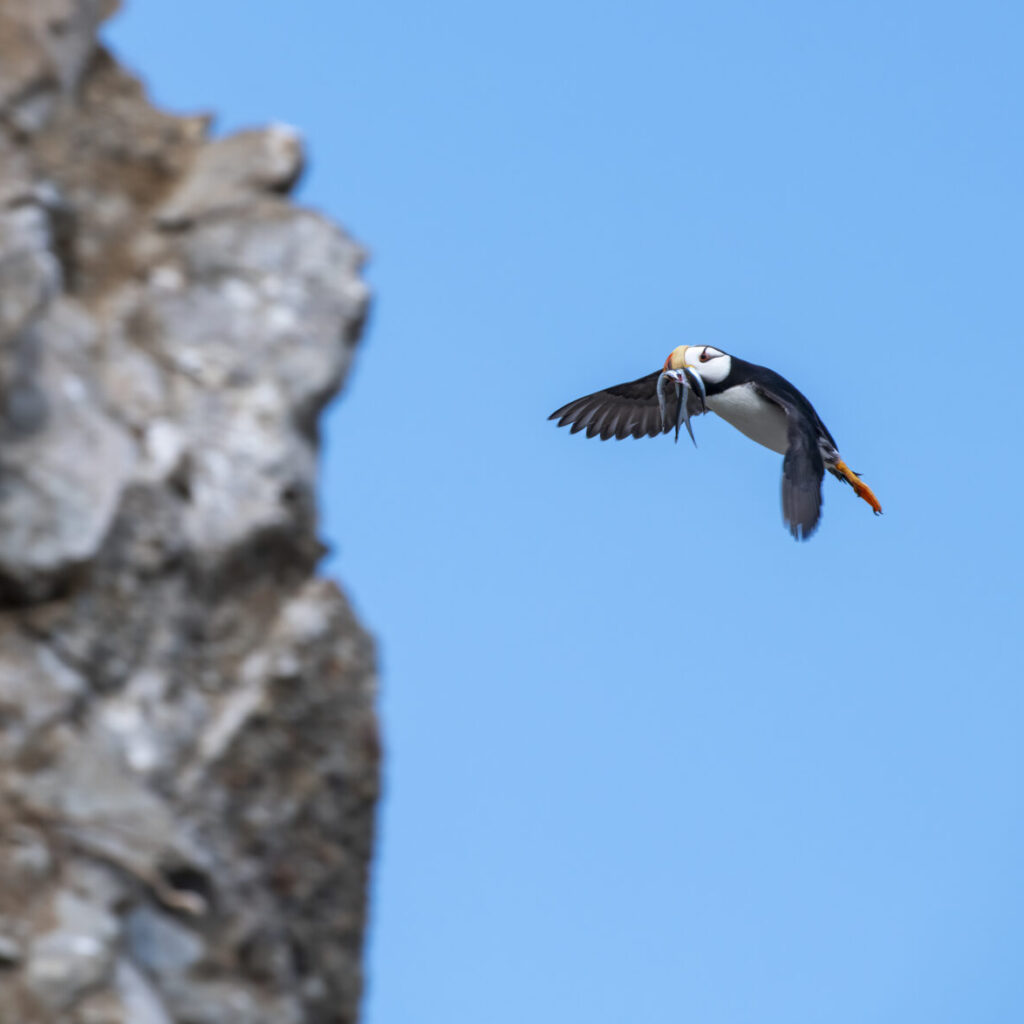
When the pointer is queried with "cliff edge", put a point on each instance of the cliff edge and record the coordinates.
(188, 742)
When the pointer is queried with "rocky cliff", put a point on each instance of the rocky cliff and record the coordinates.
(188, 746)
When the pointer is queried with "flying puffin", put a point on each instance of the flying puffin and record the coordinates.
(755, 400)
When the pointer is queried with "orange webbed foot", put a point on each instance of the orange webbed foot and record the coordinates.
(860, 488)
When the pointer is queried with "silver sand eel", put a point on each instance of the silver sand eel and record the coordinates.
(685, 381)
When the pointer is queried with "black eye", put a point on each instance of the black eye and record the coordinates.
(704, 357)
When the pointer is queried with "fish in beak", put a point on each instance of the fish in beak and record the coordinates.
(685, 381)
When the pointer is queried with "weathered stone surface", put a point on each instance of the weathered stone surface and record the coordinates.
(75, 955)
(188, 744)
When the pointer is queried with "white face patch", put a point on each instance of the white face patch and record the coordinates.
(712, 364)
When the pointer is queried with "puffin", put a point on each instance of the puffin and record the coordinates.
(758, 402)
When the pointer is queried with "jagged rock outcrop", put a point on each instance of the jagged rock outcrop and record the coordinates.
(188, 745)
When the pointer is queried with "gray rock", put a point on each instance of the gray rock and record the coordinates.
(188, 742)
(10, 950)
(25, 858)
(227, 174)
(160, 943)
(72, 957)
(140, 1001)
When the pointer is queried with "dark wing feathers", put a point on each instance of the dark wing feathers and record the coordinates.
(803, 468)
(625, 410)
(802, 471)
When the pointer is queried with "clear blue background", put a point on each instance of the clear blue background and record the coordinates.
(648, 758)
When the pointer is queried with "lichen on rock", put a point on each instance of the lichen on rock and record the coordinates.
(188, 741)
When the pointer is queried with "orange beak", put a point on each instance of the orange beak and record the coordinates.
(679, 352)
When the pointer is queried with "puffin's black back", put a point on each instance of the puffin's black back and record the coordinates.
(775, 387)
(803, 468)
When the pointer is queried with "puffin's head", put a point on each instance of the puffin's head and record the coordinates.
(712, 364)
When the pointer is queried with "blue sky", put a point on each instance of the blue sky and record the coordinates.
(648, 758)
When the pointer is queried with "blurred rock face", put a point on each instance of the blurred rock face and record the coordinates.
(188, 747)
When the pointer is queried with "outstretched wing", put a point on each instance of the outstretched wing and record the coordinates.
(803, 468)
(625, 410)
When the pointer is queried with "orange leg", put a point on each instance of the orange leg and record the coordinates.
(860, 488)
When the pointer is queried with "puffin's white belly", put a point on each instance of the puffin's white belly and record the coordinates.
(762, 421)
